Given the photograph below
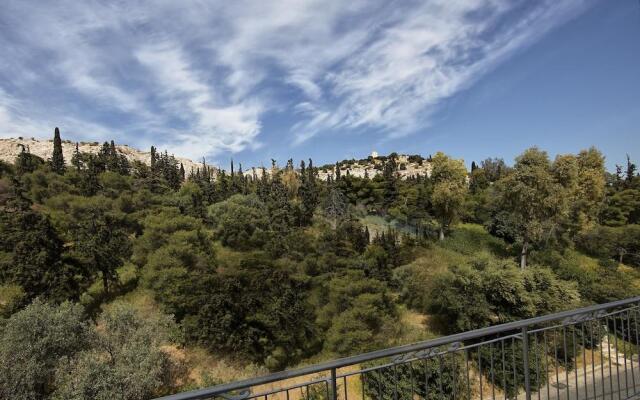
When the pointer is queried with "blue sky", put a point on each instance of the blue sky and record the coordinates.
(255, 80)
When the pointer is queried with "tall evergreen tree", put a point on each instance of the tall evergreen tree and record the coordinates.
(390, 189)
(154, 158)
(27, 162)
(76, 160)
(631, 170)
(308, 193)
(57, 158)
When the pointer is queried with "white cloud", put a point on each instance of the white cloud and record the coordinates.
(436, 51)
(213, 127)
(202, 76)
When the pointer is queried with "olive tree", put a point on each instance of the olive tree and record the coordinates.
(32, 343)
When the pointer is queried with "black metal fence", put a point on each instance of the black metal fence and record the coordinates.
(588, 353)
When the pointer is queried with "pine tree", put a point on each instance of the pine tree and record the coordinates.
(182, 173)
(57, 158)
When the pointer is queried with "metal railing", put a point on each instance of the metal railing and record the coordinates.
(587, 353)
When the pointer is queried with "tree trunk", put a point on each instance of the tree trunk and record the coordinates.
(441, 234)
(523, 255)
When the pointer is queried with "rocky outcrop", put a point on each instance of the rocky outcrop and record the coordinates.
(10, 148)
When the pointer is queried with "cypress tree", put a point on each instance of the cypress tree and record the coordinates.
(631, 170)
(57, 158)
(154, 158)
(75, 160)
(307, 193)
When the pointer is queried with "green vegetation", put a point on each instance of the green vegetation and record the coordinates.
(107, 264)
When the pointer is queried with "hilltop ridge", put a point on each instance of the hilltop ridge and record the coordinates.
(11, 147)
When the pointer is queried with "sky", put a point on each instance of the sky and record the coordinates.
(325, 79)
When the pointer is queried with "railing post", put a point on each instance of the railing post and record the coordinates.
(525, 359)
(334, 385)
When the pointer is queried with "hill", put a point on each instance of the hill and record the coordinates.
(10, 148)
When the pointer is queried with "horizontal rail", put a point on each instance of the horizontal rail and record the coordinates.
(390, 352)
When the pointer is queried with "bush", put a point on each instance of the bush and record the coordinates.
(430, 379)
(490, 292)
(503, 355)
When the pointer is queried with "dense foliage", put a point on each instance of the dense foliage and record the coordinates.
(277, 266)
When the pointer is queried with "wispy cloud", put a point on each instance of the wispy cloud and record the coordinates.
(202, 77)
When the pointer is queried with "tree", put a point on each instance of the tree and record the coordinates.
(172, 248)
(494, 168)
(182, 173)
(57, 158)
(98, 234)
(335, 206)
(27, 162)
(280, 210)
(153, 158)
(449, 188)
(630, 173)
(34, 254)
(240, 222)
(126, 360)
(33, 344)
(589, 199)
(390, 182)
(531, 201)
(308, 193)
(76, 160)
(354, 311)
(258, 310)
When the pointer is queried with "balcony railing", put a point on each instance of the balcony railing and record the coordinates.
(587, 353)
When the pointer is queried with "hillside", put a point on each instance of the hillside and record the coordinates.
(208, 281)
(407, 166)
(10, 148)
